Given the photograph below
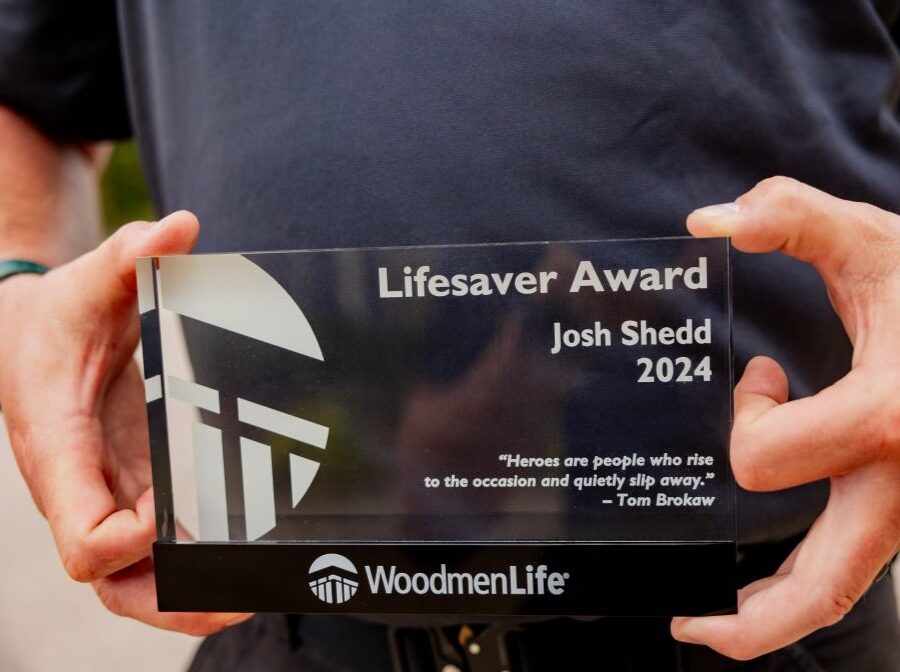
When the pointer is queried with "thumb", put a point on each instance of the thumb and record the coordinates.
(782, 214)
(105, 277)
(853, 246)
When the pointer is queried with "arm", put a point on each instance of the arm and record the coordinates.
(71, 393)
(49, 208)
(848, 432)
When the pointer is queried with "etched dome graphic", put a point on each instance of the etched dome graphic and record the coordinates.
(230, 292)
(333, 578)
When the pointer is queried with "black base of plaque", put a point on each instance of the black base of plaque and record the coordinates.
(604, 579)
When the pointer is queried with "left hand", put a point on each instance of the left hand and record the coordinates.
(73, 400)
(849, 432)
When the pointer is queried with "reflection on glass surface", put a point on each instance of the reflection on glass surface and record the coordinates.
(349, 395)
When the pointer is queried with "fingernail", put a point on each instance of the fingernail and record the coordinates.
(718, 210)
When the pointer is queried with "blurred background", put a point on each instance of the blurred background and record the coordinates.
(48, 622)
(124, 194)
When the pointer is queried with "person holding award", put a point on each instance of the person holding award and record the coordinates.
(317, 125)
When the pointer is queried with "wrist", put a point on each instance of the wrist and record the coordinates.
(13, 271)
(11, 284)
(13, 299)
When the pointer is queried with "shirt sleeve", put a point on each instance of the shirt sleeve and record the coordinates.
(61, 67)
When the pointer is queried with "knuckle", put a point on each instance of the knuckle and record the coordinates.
(748, 479)
(831, 607)
(78, 566)
(123, 237)
(120, 235)
(779, 189)
(880, 226)
(132, 227)
(878, 429)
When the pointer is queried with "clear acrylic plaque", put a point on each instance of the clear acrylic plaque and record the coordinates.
(465, 409)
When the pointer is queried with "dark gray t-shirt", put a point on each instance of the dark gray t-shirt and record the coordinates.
(316, 124)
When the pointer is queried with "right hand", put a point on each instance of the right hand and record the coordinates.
(74, 404)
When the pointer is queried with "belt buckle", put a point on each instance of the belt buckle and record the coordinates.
(468, 649)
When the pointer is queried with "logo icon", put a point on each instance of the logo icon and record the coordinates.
(235, 487)
(333, 578)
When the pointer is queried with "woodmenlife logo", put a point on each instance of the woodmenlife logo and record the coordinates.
(333, 578)
(233, 473)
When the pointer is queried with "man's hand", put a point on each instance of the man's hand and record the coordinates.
(74, 405)
(849, 432)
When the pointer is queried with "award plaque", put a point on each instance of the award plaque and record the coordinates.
(505, 429)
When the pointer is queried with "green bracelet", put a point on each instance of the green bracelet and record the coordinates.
(11, 267)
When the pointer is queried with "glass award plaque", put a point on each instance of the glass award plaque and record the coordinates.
(510, 429)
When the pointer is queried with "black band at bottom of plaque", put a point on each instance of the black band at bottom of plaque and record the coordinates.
(529, 579)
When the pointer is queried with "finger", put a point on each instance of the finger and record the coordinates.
(104, 279)
(777, 444)
(788, 564)
(781, 214)
(132, 593)
(783, 571)
(98, 527)
(53, 419)
(93, 535)
(763, 386)
(838, 561)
